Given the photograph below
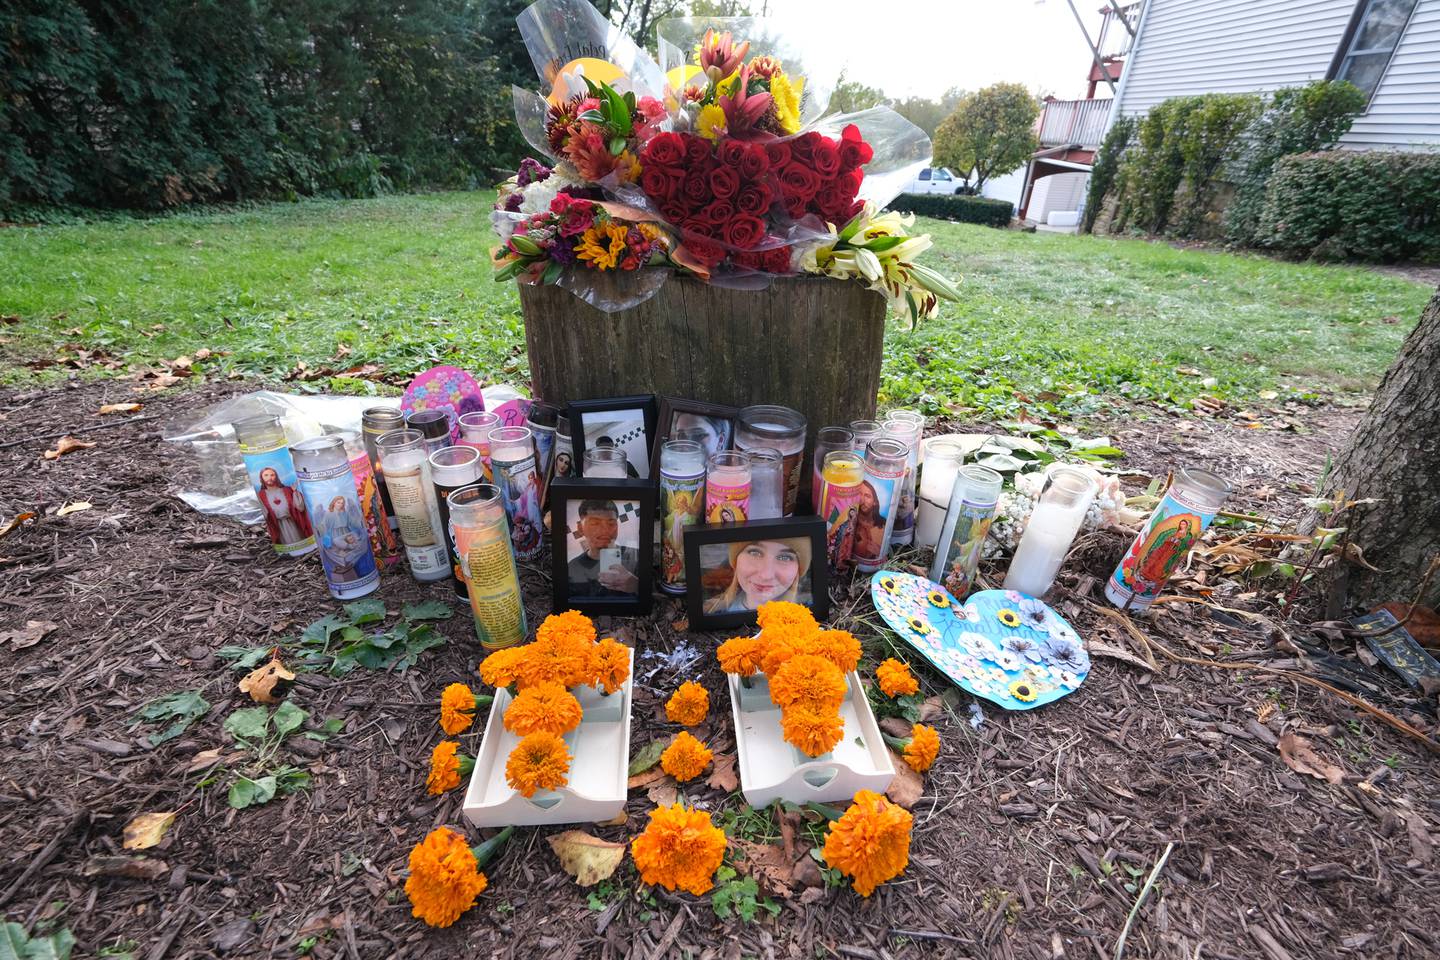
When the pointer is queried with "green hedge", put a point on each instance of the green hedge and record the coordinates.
(944, 206)
(1345, 205)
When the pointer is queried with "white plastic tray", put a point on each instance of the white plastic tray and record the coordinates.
(599, 759)
(771, 769)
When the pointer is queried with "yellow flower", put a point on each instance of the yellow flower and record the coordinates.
(627, 167)
(810, 678)
(680, 849)
(895, 678)
(890, 585)
(710, 124)
(444, 878)
(870, 842)
(939, 598)
(457, 709)
(610, 662)
(543, 707)
(919, 626)
(923, 748)
(786, 94)
(740, 655)
(1008, 617)
(688, 705)
(602, 246)
(540, 761)
(502, 667)
(686, 757)
(1024, 691)
(447, 766)
(812, 728)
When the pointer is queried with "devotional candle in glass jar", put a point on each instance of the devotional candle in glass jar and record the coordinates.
(604, 462)
(434, 425)
(383, 541)
(682, 504)
(450, 469)
(512, 455)
(263, 447)
(1180, 517)
(767, 483)
(402, 454)
(482, 540)
(974, 495)
(828, 439)
(727, 487)
(841, 476)
(937, 482)
(475, 432)
(1050, 530)
(908, 427)
(879, 495)
(323, 469)
(767, 425)
(374, 422)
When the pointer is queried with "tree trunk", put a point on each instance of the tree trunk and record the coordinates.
(1394, 456)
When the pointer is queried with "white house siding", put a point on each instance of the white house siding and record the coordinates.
(1405, 111)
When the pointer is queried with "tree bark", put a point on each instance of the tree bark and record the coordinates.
(1394, 456)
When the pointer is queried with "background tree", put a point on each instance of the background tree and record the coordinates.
(852, 95)
(927, 113)
(989, 133)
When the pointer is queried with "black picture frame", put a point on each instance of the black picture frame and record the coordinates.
(563, 492)
(578, 410)
(780, 528)
(670, 406)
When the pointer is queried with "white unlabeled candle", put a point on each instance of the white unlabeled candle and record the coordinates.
(937, 480)
(1050, 531)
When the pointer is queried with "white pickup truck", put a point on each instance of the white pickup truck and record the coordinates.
(936, 180)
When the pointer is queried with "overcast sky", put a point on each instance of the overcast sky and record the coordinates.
(923, 47)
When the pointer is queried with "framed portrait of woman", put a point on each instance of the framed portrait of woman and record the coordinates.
(732, 568)
(712, 425)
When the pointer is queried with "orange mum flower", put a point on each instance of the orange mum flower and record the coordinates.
(546, 707)
(773, 654)
(809, 678)
(561, 652)
(839, 647)
(811, 728)
(740, 655)
(447, 766)
(778, 613)
(923, 748)
(457, 709)
(501, 668)
(610, 664)
(445, 878)
(571, 625)
(870, 842)
(688, 705)
(539, 762)
(680, 849)
(895, 678)
(686, 758)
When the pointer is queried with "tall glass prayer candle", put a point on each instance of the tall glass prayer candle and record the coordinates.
(384, 544)
(1050, 530)
(727, 487)
(828, 439)
(450, 469)
(1180, 517)
(879, 495)
(373, 422)
(562, 464)
(864, 431)
(682, 504)
(475, 430)
(842, 475)
(908, 427)
(482, 540)
(974, 495)
(434, 424)
(323, 469)
(541, 422)
(937, 482)
(767, 483)
(604, 462)
(407, 471)
(766, 425)
(272, 473)
(512, 454)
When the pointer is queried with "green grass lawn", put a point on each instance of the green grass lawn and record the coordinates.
(406, 282)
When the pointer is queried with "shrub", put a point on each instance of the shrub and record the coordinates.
(1107, 165)
(1346, 205)
(983, 210)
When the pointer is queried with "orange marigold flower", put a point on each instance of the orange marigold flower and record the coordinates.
(502, 667)
(811, 728)
(571, 624)
(539, 762)
(545, 707)
(686, 757)
(895, 678)
(776, 613)
(680, 849)
(561, 652)
(740, 655)
(457, 709)
(923, 748)
(688, 705)
(808, 677)
(447, 766)
(610, 664)
(839, 647)
(870, 842)
(444, 878)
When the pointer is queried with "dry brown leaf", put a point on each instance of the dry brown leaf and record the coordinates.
(646, 778)
(136, 868)
(930, 710)
(1099, 648)
(663, 793)
(806, 873)
(897, 727)
(203, 759)
(768, 864)
(121, 408)
(588, 859)
(14, 522)
(148, 829)
(66, 444)
(75, 507)
(27, 636)
(619, 820)
(722, 775)
(907, 787)
(789, 823)
(268, 683)
(1302, 758)
(204, 353)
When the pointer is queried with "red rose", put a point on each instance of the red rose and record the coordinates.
(657, 183)
(754, 199)
(798, 180)
(698, 227)
(825, 158)
(853, 179)
(832, 201)
(696, 190)
(753, 162)
(744, 231)
(663, 150)
(778, 260)
(729, 152)
(718, 213)
(674, 210)
(778, 153)
(697, 150)
(724, 181)
(854, 151)
(795, 206)
(702, 249)
(802, 148)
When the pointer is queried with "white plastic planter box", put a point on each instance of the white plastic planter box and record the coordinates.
(771, 769)
(599, 759)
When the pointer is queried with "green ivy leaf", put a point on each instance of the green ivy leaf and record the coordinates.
(245, 792)
(427, 610)
(369, 610)
(323, 629)
(288, 718)
(244, 658)
(248, 724)
(183, 707)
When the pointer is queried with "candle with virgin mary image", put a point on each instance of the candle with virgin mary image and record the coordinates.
(323, 469)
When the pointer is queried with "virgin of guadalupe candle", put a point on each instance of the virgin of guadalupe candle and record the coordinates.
(937, 482)
(1050, 530)
(272, 474)
(475, 430)
(450, 469)
(1181, 516)
(434, 425)
(605, 462)
(541, 421)
(682, 504)
(512, 454)
(373, 422)
(727, 487)
(875, 508)
(842, 474)
(402, 453)
(323, 469)
(974, 495)
(482, 539)
(767, 481)
(766, 425)
(828, 439)
(383, 542)
(908, 427)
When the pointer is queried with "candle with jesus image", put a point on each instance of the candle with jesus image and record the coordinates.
(878, 497)
(682, 504)
(1182, 515)
(908, 427)
(272, 474)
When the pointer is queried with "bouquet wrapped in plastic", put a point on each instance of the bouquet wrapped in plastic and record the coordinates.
(719, 162)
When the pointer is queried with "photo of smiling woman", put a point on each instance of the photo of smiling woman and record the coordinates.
(742, 575)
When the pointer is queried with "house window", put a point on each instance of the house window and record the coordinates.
(1375, 33)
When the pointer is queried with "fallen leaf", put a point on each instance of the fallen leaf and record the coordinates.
(1099, 648)
(148, 829)
(680, 626)
(27, 636)
(722, 776)
(203, 760)
(1268, 394)
(588, 859)
(789, 823)
(136, 868)
(15, 521)
(204, 353)
(1422, 848)
(66, 444)
(806, 873)
(619, 820)
(907, 787)
(769, 866)
(267, 683)
(1302, 758)
(121, 407)
(930, 710)
(663, 793)
(897, 727)
(645, 779)
(646, 757)
(75, 507)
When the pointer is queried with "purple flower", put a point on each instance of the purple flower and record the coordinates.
(531, 171)
(513, 201)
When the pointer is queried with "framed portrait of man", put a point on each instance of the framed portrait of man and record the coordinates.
(602, 542)
(733, 568)
(626, 424)
(712, 425)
